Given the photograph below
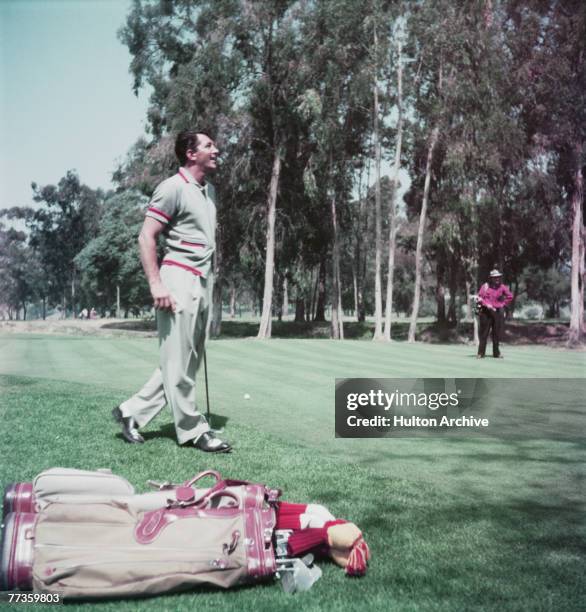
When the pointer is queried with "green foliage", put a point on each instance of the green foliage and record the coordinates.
(21, 278)
(58, 229)
(548, 287)
(111, 259)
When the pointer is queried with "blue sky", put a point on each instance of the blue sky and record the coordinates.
(66, 98)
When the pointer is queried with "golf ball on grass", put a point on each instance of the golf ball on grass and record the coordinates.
(247, 396)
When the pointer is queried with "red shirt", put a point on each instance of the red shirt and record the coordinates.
(495, 297)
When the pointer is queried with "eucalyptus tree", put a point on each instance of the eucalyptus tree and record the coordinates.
(470, 101)
(397, 59)
(550, 51)
(66, 217)
(21, 278)
(433, 27)
(337, 105)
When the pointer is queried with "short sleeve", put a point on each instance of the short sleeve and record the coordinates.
(163, 204)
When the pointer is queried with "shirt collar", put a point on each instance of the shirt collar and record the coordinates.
(188, 177)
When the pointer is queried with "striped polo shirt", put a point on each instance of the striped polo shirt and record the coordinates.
(188, 211)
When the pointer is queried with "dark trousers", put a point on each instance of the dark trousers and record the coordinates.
(491, 320)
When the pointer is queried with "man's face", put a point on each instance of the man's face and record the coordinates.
(206, 154)
(495, 281)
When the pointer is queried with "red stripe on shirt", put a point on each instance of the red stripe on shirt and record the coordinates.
(193, 244)
(183, 176)
(159, 212)
(170, 262)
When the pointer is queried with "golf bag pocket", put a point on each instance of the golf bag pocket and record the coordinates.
(109, 550)
(59, 484)
(52, 483)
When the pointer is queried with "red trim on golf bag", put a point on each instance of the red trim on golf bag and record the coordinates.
(18, 497)
(16, 551)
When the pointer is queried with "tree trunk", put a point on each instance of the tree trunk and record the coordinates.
(337, 314)
(267, 303)
(278, 309)
(117, 301)
(440, 295)
(233, 301)
(420, 232)
(378, 296)
(469, 313)
(285, 297)
(453, 284)
(312, 302)
(300, 309)
(577, 278)
(513, 304)
(44, 308)
(217, 289)
(394, 191)
(362, 247)
(355, 290)
(73, 314)
(390, 276)
(216, 324)
(320, 309)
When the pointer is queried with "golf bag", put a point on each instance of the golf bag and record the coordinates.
(111, 543)
(478, 306)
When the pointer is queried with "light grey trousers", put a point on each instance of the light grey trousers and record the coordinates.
(182, 336)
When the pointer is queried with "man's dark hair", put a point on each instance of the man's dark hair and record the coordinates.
(185, 141)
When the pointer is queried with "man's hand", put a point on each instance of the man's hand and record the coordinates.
(161, 297)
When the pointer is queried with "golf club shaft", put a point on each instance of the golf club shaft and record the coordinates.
(205, 370)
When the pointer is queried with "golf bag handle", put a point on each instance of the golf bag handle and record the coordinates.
(207, 499)
(201, 475)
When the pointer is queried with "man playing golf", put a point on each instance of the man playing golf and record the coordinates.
(183, 210)
(493, 297)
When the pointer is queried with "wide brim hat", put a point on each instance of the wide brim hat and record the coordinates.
(495, 273)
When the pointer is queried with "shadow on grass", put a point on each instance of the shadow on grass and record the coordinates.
(280, 329)
(168, 429)
(516, 331)
(310, 329)
(541, 515)
(140, 325)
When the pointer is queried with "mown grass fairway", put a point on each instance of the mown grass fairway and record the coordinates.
(453, 524)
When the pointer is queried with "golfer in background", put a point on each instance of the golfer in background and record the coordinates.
(183, 209)
(493, 297)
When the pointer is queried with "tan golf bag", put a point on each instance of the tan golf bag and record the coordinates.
(118, 544)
